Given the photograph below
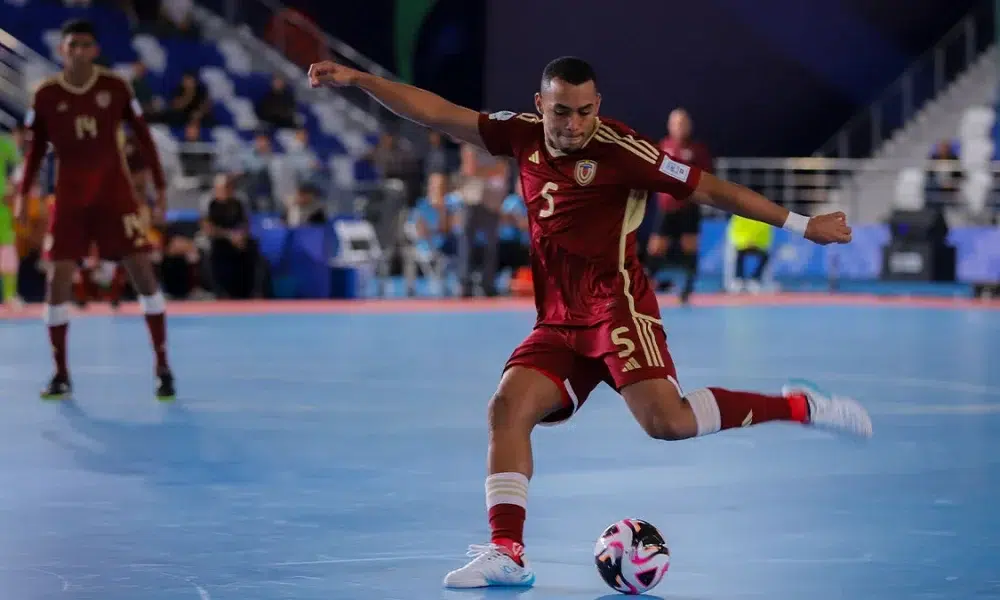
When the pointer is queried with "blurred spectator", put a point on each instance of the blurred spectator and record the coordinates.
(190, 103)
(257, 175)
(945, 175)
(305, 207)
(176, 19)
(393, 160)
(436, 160)
(482, 185)
(151, 104)
(277, 106)
(233, 256)
(512, 253)
(197, 158)
(434, 219)
(300, 165)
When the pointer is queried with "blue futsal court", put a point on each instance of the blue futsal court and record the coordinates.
(342, 456)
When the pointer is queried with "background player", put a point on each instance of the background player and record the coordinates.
(81, 112)
(598, 319)
(679, 221)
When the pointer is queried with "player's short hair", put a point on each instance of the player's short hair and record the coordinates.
(572, 70)
(78, 26)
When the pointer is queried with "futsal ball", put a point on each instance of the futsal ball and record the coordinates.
(631, 556)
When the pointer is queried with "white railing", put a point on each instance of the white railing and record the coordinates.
(20, 68)
(923, 81)
(811, 184)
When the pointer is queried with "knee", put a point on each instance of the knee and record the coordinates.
(666, 425)
(506, 412)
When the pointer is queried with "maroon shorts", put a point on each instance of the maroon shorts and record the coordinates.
(619, 352)
(117, 225)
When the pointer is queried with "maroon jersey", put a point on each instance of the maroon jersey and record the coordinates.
(693, 153)
(583, 212)
(84, 126)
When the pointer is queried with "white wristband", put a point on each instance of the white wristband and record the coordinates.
(796, 223)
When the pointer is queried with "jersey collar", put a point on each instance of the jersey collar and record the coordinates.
(559, 153)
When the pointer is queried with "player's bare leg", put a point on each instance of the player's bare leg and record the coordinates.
(523, 399)
(58, 295)
(154, 307)
(664, 414)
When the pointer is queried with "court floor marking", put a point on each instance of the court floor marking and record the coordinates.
(474, 305)
(17, 373)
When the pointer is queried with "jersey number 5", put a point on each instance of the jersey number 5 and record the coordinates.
(550, 202)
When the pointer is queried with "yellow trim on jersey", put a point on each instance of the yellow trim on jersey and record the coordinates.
(640, 148)
(82, 89)
(635, 210)
(529, 117)
(554, 153)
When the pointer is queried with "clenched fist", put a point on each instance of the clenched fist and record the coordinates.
(830, 228)
(332, 74)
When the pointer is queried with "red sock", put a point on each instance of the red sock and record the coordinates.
(506, 499)
(155, 308)
(57, 337)
(507, 525)
(718, 409)
(56, 318)
(157, 325)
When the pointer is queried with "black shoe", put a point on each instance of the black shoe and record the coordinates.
(165, 391)
(59, 388)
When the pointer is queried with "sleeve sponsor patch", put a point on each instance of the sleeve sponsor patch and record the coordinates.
(675, 169)
(503, 115)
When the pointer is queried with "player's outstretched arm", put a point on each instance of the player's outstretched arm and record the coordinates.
(740, 200)
(411, 103)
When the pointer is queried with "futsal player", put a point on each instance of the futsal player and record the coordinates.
(584, 179)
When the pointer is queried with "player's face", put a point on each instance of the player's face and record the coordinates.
(679, 125)
(569, 113)
(78, 49)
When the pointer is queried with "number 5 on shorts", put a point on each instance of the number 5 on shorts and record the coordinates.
(135, 228)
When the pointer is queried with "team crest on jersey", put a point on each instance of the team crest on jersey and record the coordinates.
(585, 171)
(103, 99)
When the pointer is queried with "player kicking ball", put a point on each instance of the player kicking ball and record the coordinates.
(80, 112)
(585, 182)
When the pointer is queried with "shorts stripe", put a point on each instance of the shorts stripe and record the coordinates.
(647, 337)
(643, 340)
(656, 346)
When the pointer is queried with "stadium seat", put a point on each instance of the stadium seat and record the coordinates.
(977, 123)
(909, 193)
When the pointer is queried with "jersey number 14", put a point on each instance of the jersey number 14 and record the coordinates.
(86, 127)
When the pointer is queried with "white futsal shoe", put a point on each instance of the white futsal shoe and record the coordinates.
(491, 566)
(835, 413)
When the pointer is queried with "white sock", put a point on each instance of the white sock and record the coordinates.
(506, 488)
(706, 411)
(153, 305)
(55, 314)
